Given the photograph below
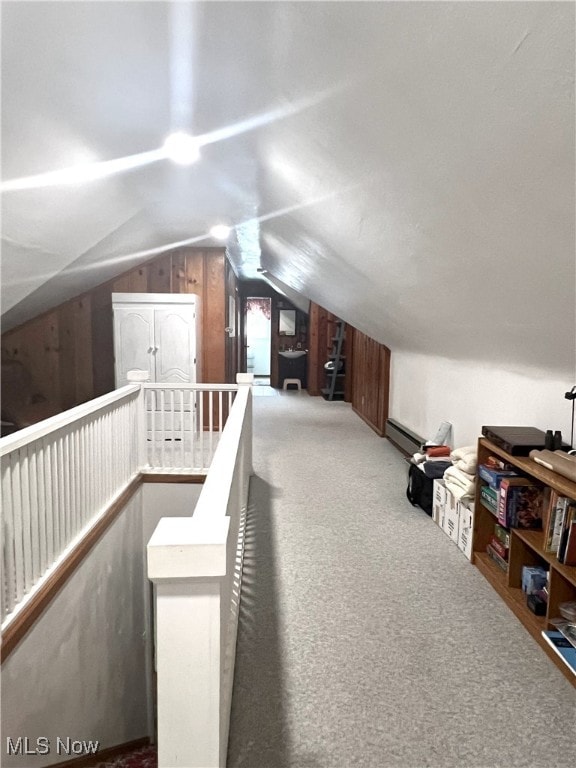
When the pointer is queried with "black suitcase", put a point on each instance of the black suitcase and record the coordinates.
(420, 489)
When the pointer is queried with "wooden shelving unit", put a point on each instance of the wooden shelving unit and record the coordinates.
(526, 548)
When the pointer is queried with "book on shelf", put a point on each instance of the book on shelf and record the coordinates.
(566, 628)
(490, 497)
(570, 553)
(567, 536)
(494, 476)
(553, 534)
(495, 462)
(548, 517)
(520, 503)
(547, 494)
(499, 547)
(500, 562)
(503, 534)
(563, 647)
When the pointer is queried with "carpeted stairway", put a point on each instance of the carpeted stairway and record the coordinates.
(146, 757)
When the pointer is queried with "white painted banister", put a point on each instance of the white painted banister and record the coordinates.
(58, 477)
(35, 432)
(184, 423)
(196, 566)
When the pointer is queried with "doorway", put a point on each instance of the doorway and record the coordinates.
(258, 338)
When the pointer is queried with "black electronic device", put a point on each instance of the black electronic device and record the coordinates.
(517, 441)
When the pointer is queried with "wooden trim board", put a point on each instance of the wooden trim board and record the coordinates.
(31, 612)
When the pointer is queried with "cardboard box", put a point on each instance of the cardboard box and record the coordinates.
(438, 502)
(465, 528)
(451, 522)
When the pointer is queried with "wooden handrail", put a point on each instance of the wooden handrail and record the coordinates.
(33, 608)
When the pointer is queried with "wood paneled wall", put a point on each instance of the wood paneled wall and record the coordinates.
(321, 332)
(69, 351)
(371, 381)
(367, 381)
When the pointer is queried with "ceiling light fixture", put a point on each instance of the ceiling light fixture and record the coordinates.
(182, 148)
(220, 231)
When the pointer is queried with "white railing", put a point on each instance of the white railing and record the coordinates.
(58, 476)
(196, 566)
(184, 424)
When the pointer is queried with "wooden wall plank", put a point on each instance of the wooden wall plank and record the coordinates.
(159, 275)
(36, 345)
(195, 272)
(178, 272)
(371, 381)
(102, 340)
(122, 284)
(138, 280)
(84, 379)
(313, 349)
(67, 356)
(214, 319)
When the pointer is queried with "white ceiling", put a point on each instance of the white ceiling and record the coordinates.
(408, 165)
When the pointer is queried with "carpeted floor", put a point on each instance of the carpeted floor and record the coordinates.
(366, 638)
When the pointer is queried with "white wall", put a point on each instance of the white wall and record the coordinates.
(166, 500)
(79, 672)
(83, 671)
(426, 390)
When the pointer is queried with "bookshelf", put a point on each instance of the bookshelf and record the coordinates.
(526, 548)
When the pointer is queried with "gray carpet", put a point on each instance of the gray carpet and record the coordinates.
(365, 637)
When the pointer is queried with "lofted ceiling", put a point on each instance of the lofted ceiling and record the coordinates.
(408, 165)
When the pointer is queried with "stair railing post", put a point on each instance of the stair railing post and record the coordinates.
(140, 377)
(247, 380)
(187, 563)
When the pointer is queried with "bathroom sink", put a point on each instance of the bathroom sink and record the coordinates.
(293, 354)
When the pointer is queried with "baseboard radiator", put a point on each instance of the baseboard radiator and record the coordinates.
(404, 439)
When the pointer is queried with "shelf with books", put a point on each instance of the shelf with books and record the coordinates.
(527, 547)
(535, 540)
(567, 631)
(514, 598)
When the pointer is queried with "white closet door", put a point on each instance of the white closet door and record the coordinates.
(175, 341)
(133, 341)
